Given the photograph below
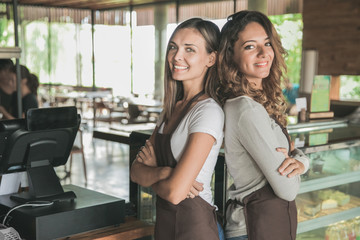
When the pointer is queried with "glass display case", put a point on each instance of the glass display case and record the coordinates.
(147, 205)
(329, 197)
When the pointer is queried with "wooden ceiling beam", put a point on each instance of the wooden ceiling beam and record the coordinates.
(94, 5)
(99, 4)
(37, 2)
(91, 4)
(71, 3)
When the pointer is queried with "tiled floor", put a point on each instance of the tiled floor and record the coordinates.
(107, 166)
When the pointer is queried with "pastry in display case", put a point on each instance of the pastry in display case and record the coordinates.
(329, 197)
(349, 230)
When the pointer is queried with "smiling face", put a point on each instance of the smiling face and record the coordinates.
(187, 56)
(253, 53)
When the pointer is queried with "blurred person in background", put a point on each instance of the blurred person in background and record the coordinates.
(29, 87)
(7, 85)
(291, 92)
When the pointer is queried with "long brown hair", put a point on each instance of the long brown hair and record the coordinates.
(33, 83)
(174, 89)
(233, 83)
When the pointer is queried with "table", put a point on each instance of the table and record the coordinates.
(146, 102)
(133, 228)
(112, 135)
(121, 134)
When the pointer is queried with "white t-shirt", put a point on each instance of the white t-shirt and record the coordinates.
(206, 117)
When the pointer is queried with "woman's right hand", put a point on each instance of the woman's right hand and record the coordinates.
(290, 166)
(146, 155)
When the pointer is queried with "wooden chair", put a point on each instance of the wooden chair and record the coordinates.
(112, 113)
(136, 115)
(78, 149)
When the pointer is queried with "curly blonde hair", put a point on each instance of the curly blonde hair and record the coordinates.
(233, 83)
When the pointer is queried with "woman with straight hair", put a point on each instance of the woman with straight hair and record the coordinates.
(179, 159)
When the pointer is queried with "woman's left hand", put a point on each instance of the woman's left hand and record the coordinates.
(195, 190)
(146, 155)
(290, 166)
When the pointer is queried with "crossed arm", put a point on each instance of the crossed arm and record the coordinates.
(178, 183)
(262, 144)
(290, 167)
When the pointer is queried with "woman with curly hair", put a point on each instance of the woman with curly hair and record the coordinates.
(263, 163)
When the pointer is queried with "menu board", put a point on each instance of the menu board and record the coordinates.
(318, 139)
(320, 95)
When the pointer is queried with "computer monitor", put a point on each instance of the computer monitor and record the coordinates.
(37, 144)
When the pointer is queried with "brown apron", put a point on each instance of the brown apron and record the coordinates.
(193, 219)
(267, 216)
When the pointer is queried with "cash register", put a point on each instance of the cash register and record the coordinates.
(37, 144)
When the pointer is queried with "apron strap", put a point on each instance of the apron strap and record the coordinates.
(227, 204)
(184, 111)
(164, 156)
(285, 133)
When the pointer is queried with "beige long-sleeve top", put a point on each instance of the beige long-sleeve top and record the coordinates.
(251, 139)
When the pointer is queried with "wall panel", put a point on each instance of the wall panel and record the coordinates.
(333, 28)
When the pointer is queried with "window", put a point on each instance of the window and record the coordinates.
(350, 87)
(113, 58)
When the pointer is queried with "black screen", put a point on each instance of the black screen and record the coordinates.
(37, 144)
(51, 118)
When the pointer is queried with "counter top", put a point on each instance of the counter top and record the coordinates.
(322, 137)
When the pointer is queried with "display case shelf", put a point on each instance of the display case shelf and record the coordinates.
(317, 125)
(10, 52)
(330, 181)
(333, 146)
(327, 220)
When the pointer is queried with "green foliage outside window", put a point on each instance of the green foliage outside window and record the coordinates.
(289, 27)
(350, 87)
(6, 36)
